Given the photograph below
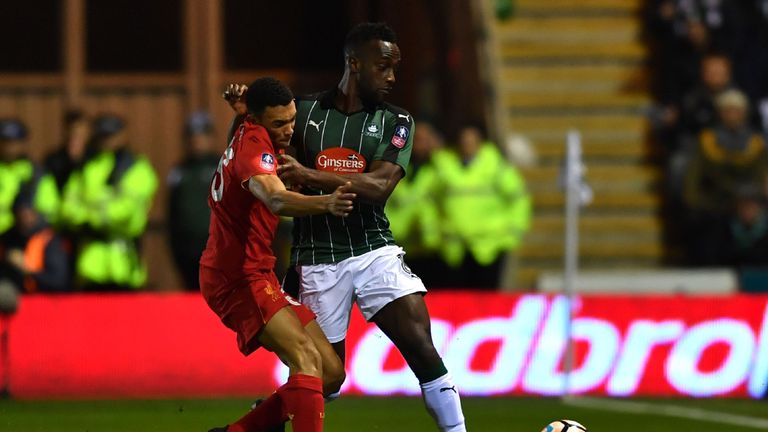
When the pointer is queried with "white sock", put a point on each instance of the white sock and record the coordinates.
(442, 400)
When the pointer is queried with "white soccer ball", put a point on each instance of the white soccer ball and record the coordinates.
(564, 426)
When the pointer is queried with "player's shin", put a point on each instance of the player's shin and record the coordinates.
(443, 403)
(303, 401)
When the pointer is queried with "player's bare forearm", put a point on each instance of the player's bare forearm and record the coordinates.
(272, 192)
(369, 187)
(237, 120)
(287, 203)
(234, 94)
(373, 187)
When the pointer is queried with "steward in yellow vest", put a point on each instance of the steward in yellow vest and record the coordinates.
(17, 170)
(485, 209)
(413, 208)
(107, 201)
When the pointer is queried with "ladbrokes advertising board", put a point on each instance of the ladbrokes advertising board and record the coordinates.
(152, 345)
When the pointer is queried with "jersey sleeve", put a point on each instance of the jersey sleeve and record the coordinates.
(255, 156)
(397, 142)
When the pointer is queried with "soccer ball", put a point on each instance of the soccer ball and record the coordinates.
(564, 426)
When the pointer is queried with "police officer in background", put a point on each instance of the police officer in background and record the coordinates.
(70, 153)
(413, 208)
(485, 209)
(188, 183)
(17, 170)
(107, 202)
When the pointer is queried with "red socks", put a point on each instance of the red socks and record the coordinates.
(300, 400)
(303, 402)
(269, 413)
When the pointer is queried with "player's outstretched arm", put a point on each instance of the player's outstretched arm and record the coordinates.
(272, 192)
(374, 186)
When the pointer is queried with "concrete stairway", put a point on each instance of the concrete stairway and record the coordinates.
(579, 64)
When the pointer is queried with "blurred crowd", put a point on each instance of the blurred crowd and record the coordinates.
(710, 66)
(461, 211)
(74, 220)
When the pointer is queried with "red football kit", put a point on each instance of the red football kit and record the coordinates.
(236, 269)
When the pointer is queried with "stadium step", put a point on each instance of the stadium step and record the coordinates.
(574, 49)
(639, 225)
(580, 65)
(602, 200)
(568, 30)
(590, 248)
(625, 123)
(576, 72)
(571, 7)
(620, 151)
(606, 176)
(539, 97)
(587, 136)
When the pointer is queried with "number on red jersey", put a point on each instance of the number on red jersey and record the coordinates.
(217, 184)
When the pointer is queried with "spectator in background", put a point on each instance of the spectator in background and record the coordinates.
(696, 113)
(17, 170)
(71, 151)
(729, 154)
(34, 258)
(748, 228)
(485, 209)
(748, 50)
(758, 73)
(698, 109)
(188, 212)
(678, 44)
(63, 161)
(413, 208)
(107, 202)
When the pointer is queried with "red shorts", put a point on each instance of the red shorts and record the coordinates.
(246, 305)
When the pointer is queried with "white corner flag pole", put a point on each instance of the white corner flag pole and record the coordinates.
(576, 194)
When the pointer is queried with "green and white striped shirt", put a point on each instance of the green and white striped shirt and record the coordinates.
(329, 140)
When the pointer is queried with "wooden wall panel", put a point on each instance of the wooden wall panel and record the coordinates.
(8, 105)
(41, 113)
(52, 133)
(31, 111)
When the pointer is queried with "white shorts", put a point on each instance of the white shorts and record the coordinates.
(371, 280)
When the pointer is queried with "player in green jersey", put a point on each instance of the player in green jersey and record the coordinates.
(349, 134)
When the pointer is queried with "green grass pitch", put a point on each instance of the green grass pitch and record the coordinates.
(360, 414)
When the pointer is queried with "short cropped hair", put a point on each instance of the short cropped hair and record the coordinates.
(266, 92)
(732, 99)
(366, 32)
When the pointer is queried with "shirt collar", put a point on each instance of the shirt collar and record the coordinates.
(327, 101)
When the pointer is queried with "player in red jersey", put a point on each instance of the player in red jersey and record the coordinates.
(236, 268)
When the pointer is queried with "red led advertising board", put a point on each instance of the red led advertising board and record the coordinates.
(162, 345)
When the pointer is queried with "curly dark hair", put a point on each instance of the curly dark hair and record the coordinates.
(266, 92)
(366, 32)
